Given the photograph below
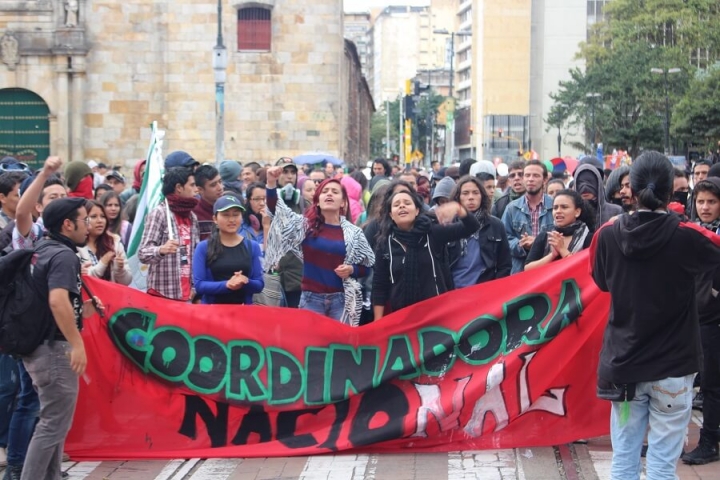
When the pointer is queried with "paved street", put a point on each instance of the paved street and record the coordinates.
(566, 462)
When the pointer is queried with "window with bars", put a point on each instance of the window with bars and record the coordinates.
(254, 29)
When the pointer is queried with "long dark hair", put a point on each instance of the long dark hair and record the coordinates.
(104, 242)
(386, 222)
(248, 208)
(587, 212)
(114, 226)
(214, 245)
(651, 180)
(485, 203)
(314, 216)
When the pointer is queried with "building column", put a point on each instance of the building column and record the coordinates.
(61, 144)
(76, 112)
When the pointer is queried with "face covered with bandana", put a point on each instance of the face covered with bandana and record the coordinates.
(586, 185)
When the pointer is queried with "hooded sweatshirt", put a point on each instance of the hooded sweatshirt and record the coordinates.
(443, 189)
(588, 178)
(649, 262)
(354, 191)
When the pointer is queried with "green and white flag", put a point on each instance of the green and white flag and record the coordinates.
(150, 197)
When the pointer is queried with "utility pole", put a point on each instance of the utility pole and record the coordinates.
(664, 73)
(220, 69)
(401, 129)
(592, 96)
(387, 129)
(408, 122)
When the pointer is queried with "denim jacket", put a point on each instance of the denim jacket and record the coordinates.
(516, 220)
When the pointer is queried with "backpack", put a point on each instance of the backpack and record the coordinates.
(23, 314)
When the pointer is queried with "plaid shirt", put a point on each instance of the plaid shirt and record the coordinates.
(37, 231)
(164, 271)
(535, 218)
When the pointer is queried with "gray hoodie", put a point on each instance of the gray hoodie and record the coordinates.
(443, 188)
(605, 211)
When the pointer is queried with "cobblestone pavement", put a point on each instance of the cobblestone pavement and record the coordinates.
(564, 462)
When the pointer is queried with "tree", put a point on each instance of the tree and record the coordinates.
(630, 109)
(696, 119)
(378, 129)
(687, 26)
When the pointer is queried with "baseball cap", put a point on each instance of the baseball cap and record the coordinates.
(286, 162)
(178, 158)
(92, 163)
(483, 166)
(226, 202)
(116, 175)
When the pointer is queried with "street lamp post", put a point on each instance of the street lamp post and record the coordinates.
(664, 73)
(592, 96)
(220, 69)
(450, 125)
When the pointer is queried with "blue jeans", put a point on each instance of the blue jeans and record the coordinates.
(24, 419)
(329, 304)
(666, 406)
(9, 384)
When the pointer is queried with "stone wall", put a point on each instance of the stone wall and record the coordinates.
(152, 60)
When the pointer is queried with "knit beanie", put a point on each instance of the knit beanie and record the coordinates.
(74, 172)
(229, 170)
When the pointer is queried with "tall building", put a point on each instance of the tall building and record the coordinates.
(558, 28)
(523, 49)
(83, 79)
(355, 28)
(402, 43)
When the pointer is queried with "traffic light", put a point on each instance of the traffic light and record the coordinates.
(410, 109)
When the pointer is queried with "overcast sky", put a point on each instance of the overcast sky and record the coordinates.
(361, 5)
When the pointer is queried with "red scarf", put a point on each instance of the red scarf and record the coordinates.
(84, 189)
(181, 206)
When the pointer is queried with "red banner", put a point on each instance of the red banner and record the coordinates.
(507, 364)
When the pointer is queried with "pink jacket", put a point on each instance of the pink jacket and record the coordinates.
(354, 191)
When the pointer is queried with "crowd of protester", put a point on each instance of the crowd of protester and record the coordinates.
(352, 247)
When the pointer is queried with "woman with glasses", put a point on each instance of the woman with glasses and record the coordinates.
(103, 256)
(252, 217)
(335, 252)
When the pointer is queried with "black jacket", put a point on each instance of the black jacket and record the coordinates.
(649, 263)
(390, 257)
(494, 249)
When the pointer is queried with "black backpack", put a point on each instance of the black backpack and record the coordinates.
(23, 314)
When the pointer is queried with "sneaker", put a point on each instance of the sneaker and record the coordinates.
(13, 472)
(705, 452)
(3, 457)
(698, 401)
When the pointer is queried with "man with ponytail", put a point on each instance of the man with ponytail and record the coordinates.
(170, 237)
(649, 262)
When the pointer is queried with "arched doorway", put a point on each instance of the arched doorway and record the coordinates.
(24, 126)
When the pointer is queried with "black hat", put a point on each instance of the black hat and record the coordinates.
(59, 210)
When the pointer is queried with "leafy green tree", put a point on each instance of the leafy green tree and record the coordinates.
(696, 119)
(690, 27)
(630, 109)
(378, 126)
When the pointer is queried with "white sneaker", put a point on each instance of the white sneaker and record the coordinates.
(3, 457)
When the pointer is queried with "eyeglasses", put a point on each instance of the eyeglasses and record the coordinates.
(318, 182)
(259, 199)
(85, 220)
(515, 175)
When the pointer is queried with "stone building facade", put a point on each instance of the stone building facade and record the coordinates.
(107, 68)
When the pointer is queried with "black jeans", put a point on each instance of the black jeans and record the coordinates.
(710, 335)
